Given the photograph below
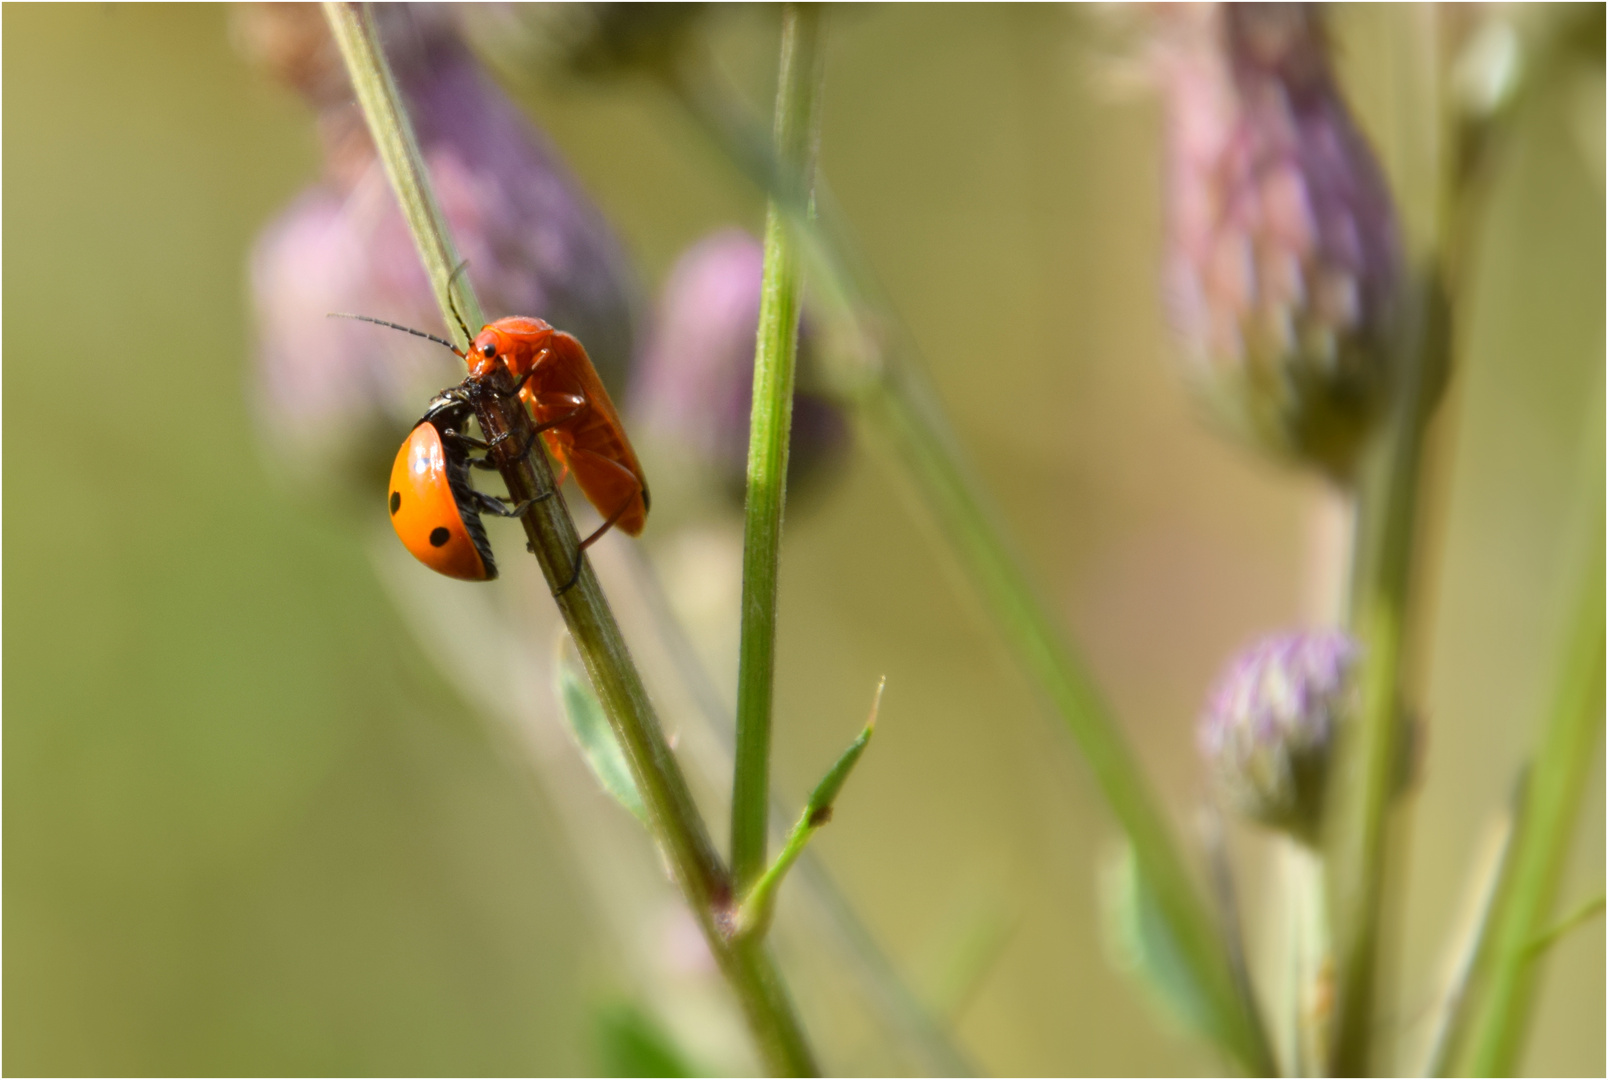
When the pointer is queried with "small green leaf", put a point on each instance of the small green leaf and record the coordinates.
(631, 1043)
(1142, 944)
(818, 811)
(759, 903)
(584, 715)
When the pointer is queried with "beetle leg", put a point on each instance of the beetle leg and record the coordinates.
(542, 407)
(580, 549)
(597, 535)
(541, 358)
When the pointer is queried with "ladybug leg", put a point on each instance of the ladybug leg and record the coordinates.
(468, 441)
(524, 451)
(492, 505)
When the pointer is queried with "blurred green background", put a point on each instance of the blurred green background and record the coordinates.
(249, 829)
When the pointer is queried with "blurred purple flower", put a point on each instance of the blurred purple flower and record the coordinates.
(535, 245)
(1284, 265)
(695, 383)
(1269, 727)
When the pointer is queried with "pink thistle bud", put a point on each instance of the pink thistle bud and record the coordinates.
(696, 382)
(1268, 730)
(1284, 272)
(535, 245)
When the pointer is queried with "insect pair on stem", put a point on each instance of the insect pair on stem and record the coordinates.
(434, 507)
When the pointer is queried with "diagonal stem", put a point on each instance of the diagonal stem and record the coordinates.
(675, 821)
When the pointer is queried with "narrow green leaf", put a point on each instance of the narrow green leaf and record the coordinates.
(590, 727)
(1142, 944)
(759, 903)
(1575, 919)
(818, 811)
(1500, 1017)
(967, 955)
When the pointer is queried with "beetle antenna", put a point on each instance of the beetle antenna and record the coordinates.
(452, 301)
(397, 326)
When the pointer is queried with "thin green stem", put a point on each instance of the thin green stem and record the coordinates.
(672, 815)
(392, 132)
(1383, 552)
(903, 413)
(797, 131)
(1556, 785)
(903, 1011)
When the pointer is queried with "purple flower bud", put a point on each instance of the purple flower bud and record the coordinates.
(1270, 725)
(1284, 267)
(535, 245)
(696, 382)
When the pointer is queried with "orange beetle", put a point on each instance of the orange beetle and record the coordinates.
(573, 412)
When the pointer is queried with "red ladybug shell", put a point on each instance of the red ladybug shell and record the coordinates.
(440, 526)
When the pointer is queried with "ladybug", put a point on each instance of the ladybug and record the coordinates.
(434, 508)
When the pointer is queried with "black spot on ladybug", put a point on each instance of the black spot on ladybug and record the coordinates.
(396, 501)
(439, 536)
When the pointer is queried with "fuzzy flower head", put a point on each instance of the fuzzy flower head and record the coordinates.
(1268, 731)
(1283, 266)
(335, 396)
(695, 385)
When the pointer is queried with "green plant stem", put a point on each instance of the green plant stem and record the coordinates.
(932, 1038)
(392, 133)
(797, 131)
(1367, 769)
(1507, 966)
(903, 413)
(676, 824)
